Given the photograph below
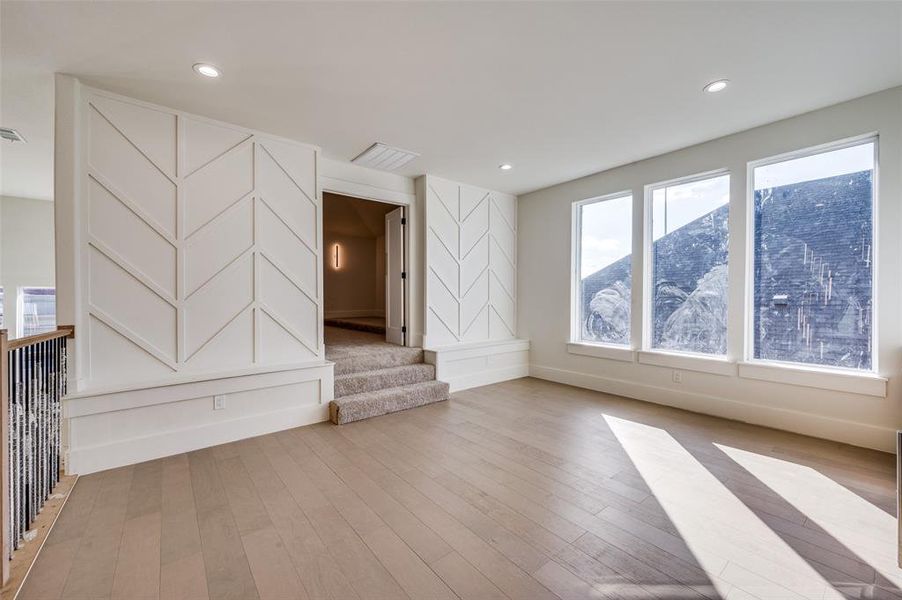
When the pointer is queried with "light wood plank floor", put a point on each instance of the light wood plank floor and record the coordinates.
(521, 490)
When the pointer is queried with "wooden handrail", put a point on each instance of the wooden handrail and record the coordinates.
(61, 331)
(6, 345)
(4, 457)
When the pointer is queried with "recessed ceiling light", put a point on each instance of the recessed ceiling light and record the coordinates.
(206, 70)
(505, 167)
(716, 86)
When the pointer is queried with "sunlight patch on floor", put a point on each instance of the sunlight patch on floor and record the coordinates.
(742, 556)
(833, 507)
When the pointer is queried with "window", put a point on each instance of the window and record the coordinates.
(38, 306)
(813, 258)
(604, 247)
(688, 278)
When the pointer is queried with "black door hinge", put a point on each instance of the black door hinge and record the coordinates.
(403, 275)
(403, 329)
(403, 221)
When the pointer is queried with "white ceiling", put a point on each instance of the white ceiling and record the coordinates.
(557, 89)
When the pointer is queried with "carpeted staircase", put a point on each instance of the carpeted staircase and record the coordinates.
(377, 378)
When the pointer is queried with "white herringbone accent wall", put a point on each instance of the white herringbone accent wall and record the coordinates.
(471, 263)
(200, 249)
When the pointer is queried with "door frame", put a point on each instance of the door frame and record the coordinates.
(383, 196)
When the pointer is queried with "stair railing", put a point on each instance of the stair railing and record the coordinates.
(33, 372)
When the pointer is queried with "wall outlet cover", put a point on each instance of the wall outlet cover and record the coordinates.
(219, 402)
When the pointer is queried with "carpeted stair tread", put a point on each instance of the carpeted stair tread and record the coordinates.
(381, 402)
(368, 381)
(383, 358)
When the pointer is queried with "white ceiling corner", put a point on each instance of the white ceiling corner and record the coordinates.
(558, 89)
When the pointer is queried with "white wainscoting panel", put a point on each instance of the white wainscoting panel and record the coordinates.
(471, 264)
(109, 429)
(199, 246)
(465, 366)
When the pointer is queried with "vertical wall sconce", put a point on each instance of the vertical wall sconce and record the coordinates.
(337, 257)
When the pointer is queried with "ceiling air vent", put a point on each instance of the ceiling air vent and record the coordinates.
(11, 135)
(381, 156)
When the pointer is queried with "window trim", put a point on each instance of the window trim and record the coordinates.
(850, 381)
(648, 264)
(600, 350)
(576, 267)
(713, 364)
(784, 370)
(20, 306)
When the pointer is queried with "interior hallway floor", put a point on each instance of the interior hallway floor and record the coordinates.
(368, 324)
(522, 490)
(341, 342)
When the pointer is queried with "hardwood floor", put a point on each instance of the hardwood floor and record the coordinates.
(521, 490)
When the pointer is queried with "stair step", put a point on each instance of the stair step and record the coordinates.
(381, 402)
(395, 356)
(369, 381)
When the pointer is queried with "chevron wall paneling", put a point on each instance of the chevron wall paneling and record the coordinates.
(200, 245)
(471, 263)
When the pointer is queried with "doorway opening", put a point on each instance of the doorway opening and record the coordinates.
(364, 276)
(377, 369)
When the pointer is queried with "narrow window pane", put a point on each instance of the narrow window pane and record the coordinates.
(38, 310)
(605, 246)
(689, 266)
(814, 259)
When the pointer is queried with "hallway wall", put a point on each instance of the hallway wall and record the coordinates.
(26, 251)
(353, 289)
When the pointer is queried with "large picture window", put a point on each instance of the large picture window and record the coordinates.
(38, 306)
(603, 252)
(690, 235)
(813, 258)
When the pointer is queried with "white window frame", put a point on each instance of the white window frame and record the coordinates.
(20, 305)
(647, 350)
(616, 351)
(757, 368)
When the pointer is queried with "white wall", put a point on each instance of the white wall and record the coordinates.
(197, 250)
(26, 250)
(854, 415)
(470, 265)
(200, 246)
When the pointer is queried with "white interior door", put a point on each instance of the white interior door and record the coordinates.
(395, 277)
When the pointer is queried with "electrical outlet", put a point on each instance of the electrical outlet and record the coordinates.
(218, 402)
(678, 377)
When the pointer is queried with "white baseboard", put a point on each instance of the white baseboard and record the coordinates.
(469, 365)
(465, 382)
(849, 432)
(119, 428)
(358, 312)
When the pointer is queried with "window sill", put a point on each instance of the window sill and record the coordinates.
(867, 384)
(689, 362)
(621, 353)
